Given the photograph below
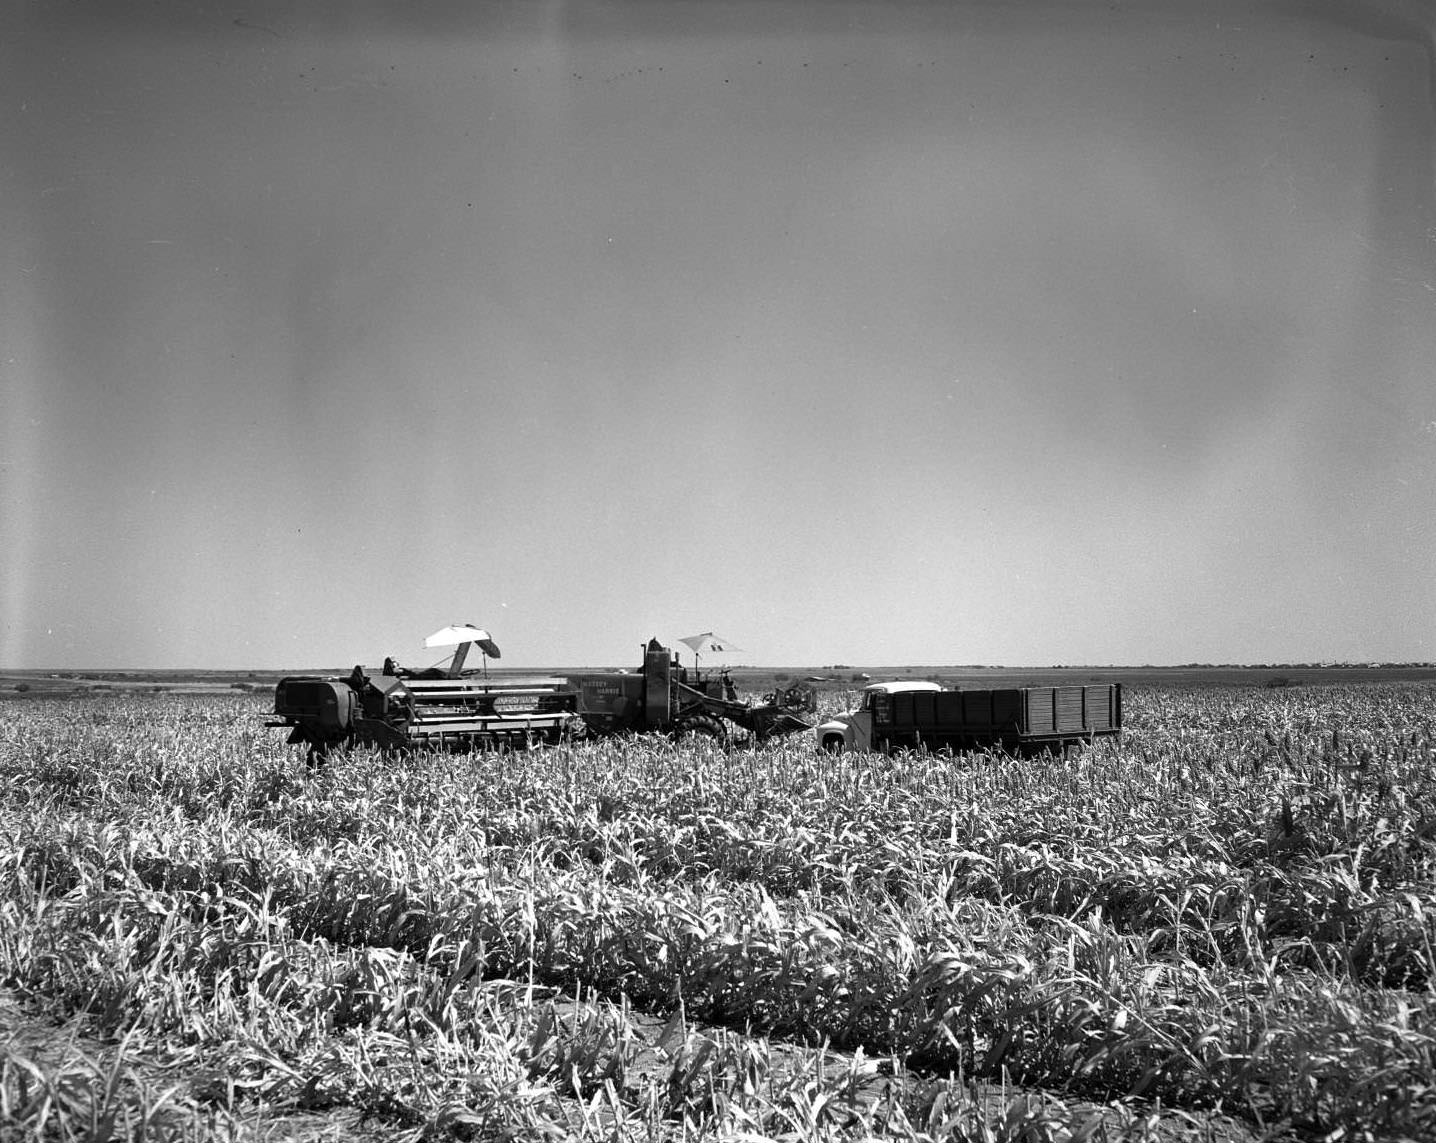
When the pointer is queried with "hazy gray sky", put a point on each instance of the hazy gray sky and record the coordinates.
(999, 332)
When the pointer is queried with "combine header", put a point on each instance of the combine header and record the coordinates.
(451, 708)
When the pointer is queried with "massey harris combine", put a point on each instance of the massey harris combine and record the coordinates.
(459, 709)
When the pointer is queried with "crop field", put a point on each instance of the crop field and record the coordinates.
(1220, 927)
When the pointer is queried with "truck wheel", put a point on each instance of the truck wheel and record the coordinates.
(700, 726)
(833, 744)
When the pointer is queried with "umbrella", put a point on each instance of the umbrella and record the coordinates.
(709, 643)
(460, 636)
(464, 633)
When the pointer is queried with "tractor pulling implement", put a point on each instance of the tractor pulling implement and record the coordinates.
(454, 709)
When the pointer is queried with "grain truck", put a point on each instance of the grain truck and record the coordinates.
(918, 714)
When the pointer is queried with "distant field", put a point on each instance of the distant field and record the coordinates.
(1219, 928)
(1136, 676)
(52, 683)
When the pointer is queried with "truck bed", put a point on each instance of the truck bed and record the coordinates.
(1009, 717)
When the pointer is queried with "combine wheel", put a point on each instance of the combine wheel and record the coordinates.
(319, 751)
(699, 726)
(573, 729)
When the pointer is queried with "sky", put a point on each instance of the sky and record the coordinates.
(981, 331)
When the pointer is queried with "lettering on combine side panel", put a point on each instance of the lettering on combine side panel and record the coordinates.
(602, 695)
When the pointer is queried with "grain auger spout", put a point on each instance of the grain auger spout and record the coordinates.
(666, 697)
(785, 711)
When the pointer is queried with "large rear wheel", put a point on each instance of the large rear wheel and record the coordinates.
(316, 757)
(699, 726)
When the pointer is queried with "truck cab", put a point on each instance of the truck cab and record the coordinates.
(854, 730)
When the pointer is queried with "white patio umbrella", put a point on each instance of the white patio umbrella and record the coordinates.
(461, 637)
(464, 633)
(709, 643)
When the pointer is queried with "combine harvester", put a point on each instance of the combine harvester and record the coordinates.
(451, 708)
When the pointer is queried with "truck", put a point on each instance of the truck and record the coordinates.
(457, 709)
(918, 714)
